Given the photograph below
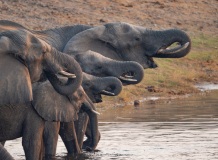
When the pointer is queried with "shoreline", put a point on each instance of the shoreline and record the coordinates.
(203, 88)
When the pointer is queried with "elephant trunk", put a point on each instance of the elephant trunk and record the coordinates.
(57, 61)
(112, 86)
(88, 107)
(128, 72)
(168, 37)
(4, 154)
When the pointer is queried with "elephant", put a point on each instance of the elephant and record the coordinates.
(94, 87)
(29, 120)
(4, 154)
(126, 42)
(26, 59)
(59, 37)
(47, 102)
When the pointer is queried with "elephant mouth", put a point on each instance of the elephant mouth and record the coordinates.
(98, 98)
(173, 48)
(128, 77)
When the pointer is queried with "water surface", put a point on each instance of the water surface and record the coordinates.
(184, 128)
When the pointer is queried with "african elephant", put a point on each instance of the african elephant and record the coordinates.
(45, 97)
(98, 65)
(31, 119)
(26, 59)
(4, 154)
(126, 42)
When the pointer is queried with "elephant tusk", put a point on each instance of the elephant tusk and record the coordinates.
(127, 76)
(173, 50)
(127, 79)
(107, 93)
(95, 112)
(67, 74)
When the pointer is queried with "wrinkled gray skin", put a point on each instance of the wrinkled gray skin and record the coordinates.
(47, 102)
(23, 60)
(120, 41)
(32, 119)
(4, 155)
(126, 42)
(96, 86)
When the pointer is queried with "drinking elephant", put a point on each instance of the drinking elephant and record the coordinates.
(52, 106)
(126, 42)
(45, 97)
(25, 59)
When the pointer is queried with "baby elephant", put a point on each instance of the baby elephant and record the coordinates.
(45, 97)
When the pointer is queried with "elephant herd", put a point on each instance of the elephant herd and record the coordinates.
(50, 79)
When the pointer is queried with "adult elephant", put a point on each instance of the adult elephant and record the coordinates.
(25, 59)
(98, 64)
(126, 42)
(4, 154)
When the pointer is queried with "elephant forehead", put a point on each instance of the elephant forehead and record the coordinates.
(51, 105)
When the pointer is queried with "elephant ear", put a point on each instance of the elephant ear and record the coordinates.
(15, 82)
(96, 39)
(51, 105)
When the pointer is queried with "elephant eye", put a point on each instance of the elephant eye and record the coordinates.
(99, 67)
(137, 39)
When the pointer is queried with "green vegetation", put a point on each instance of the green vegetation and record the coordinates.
(177, 76)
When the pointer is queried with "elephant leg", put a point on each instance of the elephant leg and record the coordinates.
(3, 143)
(88, 141)
(69, 137)
(80, 126)
(33, 136)
(50, 139)
(4, 154)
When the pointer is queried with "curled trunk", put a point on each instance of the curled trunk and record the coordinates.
(59, 60)
(168, 37)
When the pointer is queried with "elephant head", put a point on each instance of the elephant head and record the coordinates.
(97, 86)
(126, 42)
(25, 59)
(129, 72)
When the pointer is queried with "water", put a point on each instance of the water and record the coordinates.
(181, 129)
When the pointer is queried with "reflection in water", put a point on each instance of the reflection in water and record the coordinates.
(176, 129)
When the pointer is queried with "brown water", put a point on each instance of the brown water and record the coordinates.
(175, 129)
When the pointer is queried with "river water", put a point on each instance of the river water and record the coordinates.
(182, 129)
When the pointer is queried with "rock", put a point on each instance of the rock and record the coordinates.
(136, 103)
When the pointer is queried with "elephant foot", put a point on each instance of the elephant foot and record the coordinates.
(72, 147)
(49, 157)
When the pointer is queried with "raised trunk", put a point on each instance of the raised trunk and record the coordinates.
(70, 65)
(4, 154)
(168, 37)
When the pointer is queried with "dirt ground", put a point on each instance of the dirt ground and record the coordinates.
(189, 15)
